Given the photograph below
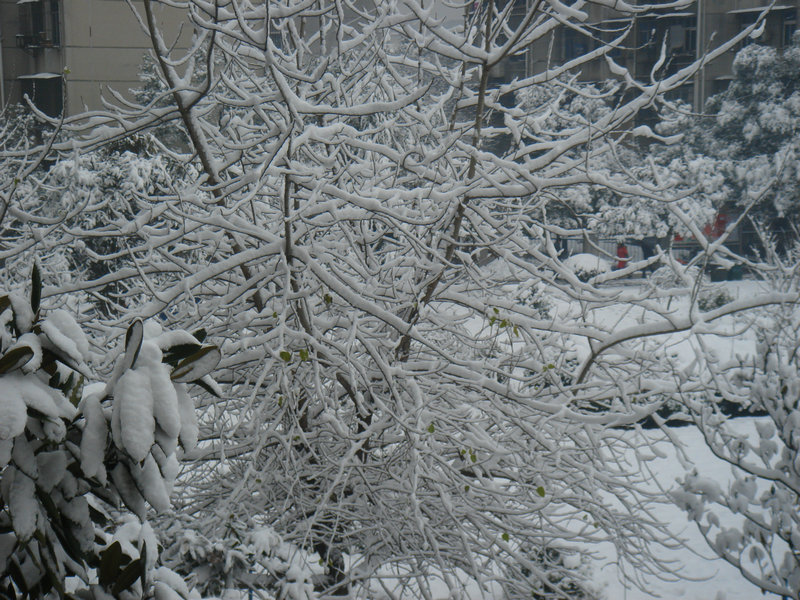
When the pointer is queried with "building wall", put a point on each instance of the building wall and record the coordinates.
(703, 26)
(101, 45)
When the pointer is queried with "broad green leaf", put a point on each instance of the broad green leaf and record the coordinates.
(36, 287)
(17, 576)
(174, 354)
(75, 391)
(110, 564)
(197, 365)
(95, 515)
(208, 385)
(133, 343)
(15, 358)
(127, 577)
(285, 355)
(540, 491)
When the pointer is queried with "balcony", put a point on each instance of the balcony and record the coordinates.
(34, 41)
(39, 24)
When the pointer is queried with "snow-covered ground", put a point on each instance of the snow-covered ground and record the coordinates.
(705, 577)
(702, 576)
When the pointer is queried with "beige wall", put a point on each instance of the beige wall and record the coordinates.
(105, 47)
(102, 45)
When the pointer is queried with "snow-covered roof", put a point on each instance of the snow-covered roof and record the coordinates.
(40, 75)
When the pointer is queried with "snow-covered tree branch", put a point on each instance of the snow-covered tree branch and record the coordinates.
(417, 385)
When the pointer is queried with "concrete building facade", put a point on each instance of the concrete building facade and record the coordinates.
(686, 34)
(63, 53)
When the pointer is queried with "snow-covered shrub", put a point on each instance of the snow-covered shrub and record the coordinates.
(586, 266)
(764, 543)
(248, 557)
(713, 296)
(676, 276)
(709, 295)
(550, 573)
(93, 201)
(73, 452)
(531, 294)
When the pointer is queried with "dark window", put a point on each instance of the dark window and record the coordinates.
(39, 24)
(683, 35)
(518, 13)
(575, 44)
(646, 33)
(690, 38)
(745, 21)
(55, 23)
(31, 18)
(789, 27)
(684, 93)
(44, 92)
(719, 85)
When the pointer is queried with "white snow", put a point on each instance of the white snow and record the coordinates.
(13, 413)
(62, 330)
(165, 400)
(705, 577)
(587, 263)
(151, 484)
(36, 394)
(189, 427)
(18, 489)
(133, 402)
(93, 441)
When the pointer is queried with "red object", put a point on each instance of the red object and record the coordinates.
(717, 228)
(622, 255)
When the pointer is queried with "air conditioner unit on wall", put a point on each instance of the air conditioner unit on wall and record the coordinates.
(677, 37)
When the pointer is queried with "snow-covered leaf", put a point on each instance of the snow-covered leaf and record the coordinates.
(151, 484)
(93, 440)
(133, 343)
(189, 428)
(20, 497)
(165, 400)
(13, 413)
(197, 365)
(15, 358)
(36, 287)
(133, 402)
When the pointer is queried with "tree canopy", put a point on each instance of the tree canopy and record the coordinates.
(414, 384)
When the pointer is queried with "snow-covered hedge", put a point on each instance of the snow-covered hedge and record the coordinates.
(72, 453)
(586, 266)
